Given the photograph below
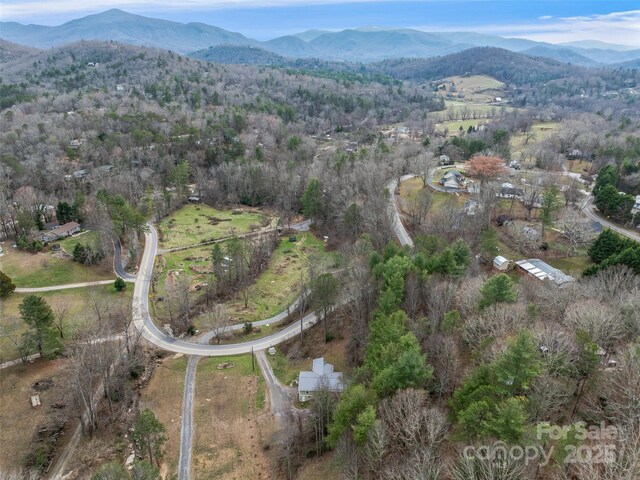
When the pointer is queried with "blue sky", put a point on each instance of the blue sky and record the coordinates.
(548, 20)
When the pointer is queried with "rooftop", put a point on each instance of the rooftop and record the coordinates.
(322, 373)
(543, 271)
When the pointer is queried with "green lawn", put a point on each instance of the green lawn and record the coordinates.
(541, 130)
(571, 265)
(239, 336)
(47, 269)
(280, 284)
(454, 125)
(195, 262)
(242, 365)
(79, 313)
(89, 237)
(283, 368)
(475, 82)
(194, 224)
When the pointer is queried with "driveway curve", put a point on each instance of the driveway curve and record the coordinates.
(150, 331)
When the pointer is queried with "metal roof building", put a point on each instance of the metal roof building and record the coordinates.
(543, 271)
(322, 374)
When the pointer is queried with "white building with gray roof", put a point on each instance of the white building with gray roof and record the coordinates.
(321, 375)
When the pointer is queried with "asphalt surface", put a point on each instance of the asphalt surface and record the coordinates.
(398, 227)
(144, 323)
(117, 262)
(587, 209)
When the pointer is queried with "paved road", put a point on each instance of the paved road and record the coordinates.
(588, 210)
(63, 287)
(117, 262)
(398, 227)
(144, 323)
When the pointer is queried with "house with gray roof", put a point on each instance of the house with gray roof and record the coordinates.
(321, 375)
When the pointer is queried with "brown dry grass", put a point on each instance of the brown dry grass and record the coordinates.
(323, 468)
(231, 431)
(163, 395)
(18, 420)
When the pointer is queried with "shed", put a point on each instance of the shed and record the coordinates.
(501, 263)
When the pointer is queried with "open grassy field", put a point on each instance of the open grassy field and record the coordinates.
(76, 300)
(193, 224)
(410, 188)
(455, 108)
(48, 268)
(540, 130)
(163, 395)
(230, 428)
(327, 466)
(453, 126)
(195, 262)
(574, 266)
(88, 237)
(474, 82)
(18, 420)
(279, 285)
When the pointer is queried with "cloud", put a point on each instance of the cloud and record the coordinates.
(619, 27)
(615, 27)
(545, 17)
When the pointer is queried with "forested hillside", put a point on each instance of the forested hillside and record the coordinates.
(440, 231)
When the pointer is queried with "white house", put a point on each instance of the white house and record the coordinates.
(322, 374)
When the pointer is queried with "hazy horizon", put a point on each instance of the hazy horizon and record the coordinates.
(549, 21)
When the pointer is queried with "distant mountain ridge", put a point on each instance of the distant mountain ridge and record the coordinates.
(363, 45)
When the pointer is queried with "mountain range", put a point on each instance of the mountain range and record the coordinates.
(357, 45)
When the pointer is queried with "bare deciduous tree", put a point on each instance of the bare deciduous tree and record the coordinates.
(577, 231)
(216, 321)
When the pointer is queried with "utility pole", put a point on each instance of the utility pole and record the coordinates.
(253, 365)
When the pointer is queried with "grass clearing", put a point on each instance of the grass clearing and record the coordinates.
(574, 266)
(46, 269)
(453, 126)
(410, 188)
(230, 432)
(279, 285)
(18, 420)
(239, 336)
(195, 262)
(163, 395)
(540, 131)
(474, 82)
(193, 224)
(79, 311)
(88, 237)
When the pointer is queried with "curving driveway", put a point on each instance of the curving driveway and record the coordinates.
(144, 323)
